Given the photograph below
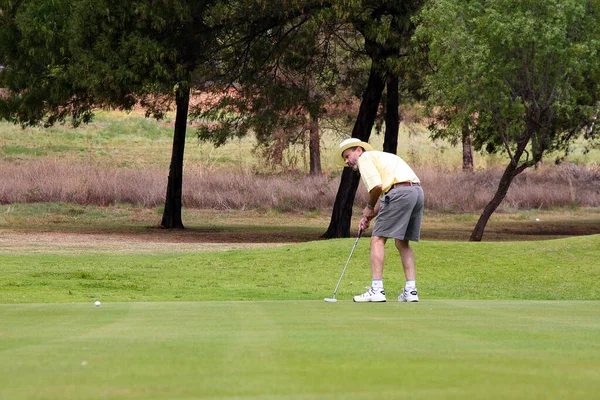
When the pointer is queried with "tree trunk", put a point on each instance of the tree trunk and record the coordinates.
(392, 116)
(467, 143)
(509, 174)
(172, 214)
(341, 216)
(314, 146)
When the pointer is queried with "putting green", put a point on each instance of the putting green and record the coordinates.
(301, 350)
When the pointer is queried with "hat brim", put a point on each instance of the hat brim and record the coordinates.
(340, 160)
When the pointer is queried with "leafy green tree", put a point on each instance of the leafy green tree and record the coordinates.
(34, 38)
(526, 73)
(66, 58)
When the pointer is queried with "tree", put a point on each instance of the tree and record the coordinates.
(385, 25)
(34, 40)
(405, 64)
(529, 71)
(339, 226)
(284, 70)
(66, 59)
(467, 148)
(113, 54)
(391, 116)
(453, 125)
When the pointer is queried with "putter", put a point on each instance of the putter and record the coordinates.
(333, 299)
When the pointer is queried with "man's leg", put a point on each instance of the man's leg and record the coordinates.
(375, 292)
(408, 259)
(377, 256)
(407, 256)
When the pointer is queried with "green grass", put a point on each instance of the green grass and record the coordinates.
(565, 269)
(129, 140)
(117, 139)
(301, 350)
(498, 320)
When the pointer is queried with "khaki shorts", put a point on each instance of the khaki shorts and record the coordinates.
(400, 214)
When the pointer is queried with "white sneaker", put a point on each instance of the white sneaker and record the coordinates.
(371, 295)
(409, 295)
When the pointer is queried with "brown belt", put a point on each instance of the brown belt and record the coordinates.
(395, 185)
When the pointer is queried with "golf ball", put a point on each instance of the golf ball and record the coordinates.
(537, 219)
(97, 304)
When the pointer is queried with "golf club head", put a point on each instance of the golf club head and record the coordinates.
(329, 300)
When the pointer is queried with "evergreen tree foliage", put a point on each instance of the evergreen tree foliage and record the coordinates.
(283, 71)
(66, 58)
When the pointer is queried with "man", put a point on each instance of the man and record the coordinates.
(396, 198)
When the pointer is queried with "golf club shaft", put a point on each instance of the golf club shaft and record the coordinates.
(345, 266)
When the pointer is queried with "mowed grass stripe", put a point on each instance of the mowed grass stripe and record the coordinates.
(564, 269)
(301, 350)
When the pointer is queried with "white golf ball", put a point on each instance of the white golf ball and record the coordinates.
(537, 219)
(97, 304)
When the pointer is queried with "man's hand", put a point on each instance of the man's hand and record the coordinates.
(363, 224)
(368, 215)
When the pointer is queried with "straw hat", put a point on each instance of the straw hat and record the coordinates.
(347, 144)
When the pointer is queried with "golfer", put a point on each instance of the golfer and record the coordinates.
(396, 199)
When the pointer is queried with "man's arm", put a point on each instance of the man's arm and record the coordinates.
(374, 196)
(372, 207)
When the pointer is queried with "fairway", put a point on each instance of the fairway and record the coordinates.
(301, 350)
(506, 320)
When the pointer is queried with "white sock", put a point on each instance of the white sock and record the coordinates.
(410, 284)
(377, 284)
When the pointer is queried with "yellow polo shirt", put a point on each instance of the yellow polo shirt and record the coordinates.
(385, 169)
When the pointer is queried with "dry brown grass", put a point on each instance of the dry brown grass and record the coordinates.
(63, 181)
(566, 185)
